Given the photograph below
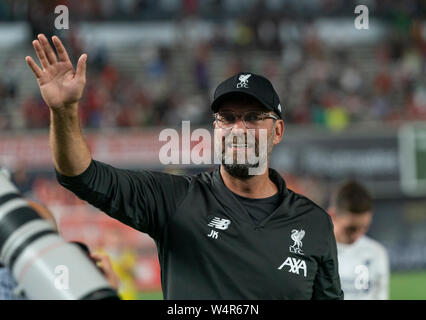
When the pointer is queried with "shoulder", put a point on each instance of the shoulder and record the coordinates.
(296, 204)
(373, 245)
(178, 180)
(159, 176)
(204, 176)
(302, 205)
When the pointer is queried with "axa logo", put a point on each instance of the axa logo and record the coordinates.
(295, 265)
(217, 223)
(297, 236)
(243, 81)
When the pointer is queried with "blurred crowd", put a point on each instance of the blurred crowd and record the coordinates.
(318, 84)
(334, 88)
(208, 9)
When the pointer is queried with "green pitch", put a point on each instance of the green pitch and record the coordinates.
(403, 286)
(408, 285)
(154, 295)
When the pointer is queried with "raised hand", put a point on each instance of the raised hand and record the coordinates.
(60, 85)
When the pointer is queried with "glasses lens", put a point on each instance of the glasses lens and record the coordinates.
(253, 119)
(226, 119)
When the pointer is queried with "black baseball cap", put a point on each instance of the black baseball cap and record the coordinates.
(248, 83)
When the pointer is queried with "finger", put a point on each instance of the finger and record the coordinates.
(34, 67)
(81, 67)
(40, 54)
(48, 50)
(96, 256)
(60, 49)
(99, 256)
(102, 261)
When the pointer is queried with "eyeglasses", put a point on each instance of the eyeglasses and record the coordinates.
(251, 119)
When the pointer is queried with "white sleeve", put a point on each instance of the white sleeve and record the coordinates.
(382, 284)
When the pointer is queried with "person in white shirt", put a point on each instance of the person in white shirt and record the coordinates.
(363, 262)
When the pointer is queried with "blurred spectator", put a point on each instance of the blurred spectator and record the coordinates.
(201, 67)
(383, 82)
(363, 262)
(40, 17)
(36, 113)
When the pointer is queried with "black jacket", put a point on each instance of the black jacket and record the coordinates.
(208, 245)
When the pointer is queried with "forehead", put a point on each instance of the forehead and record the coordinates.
(350, 219)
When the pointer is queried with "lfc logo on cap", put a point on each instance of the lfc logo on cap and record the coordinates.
(243, 81)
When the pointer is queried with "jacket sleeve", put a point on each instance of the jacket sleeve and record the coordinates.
(143, 200)
(327, 281)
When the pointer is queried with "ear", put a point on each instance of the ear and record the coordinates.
(279, 131)
(332, 212)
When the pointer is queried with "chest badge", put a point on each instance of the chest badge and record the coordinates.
(297, 236)
(296, 265)
(219, 224)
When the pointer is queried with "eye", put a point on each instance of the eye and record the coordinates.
(253, 116)
(227, 117)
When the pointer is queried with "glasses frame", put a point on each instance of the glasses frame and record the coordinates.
(240, 115)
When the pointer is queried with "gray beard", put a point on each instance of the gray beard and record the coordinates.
(240, 171)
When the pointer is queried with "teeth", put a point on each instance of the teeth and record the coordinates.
(240, 145)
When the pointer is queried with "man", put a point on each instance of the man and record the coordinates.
(234, 233)
(363, 262)
(8, 283)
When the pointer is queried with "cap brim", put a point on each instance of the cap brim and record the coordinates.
(220, 99)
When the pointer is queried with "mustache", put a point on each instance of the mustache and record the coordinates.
(241, 139)
(251, 143)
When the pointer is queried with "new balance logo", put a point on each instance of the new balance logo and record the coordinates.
(295, 265)
(218, 223)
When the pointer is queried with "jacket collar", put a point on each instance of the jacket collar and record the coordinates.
(227, 198)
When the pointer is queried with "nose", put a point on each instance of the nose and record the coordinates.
(239, 124)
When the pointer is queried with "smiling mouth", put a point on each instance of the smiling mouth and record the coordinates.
(240, 145)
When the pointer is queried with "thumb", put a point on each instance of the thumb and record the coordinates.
(81, 67)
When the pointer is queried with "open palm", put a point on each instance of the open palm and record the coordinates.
(59, 84)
